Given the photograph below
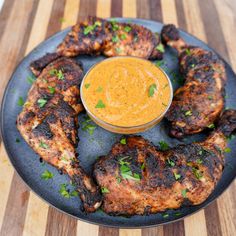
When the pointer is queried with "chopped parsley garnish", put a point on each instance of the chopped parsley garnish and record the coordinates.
(170, 162)
(126, 172)
(163, 145)
(193, 65)
(87, 86)
(165, 215)
(160, 47)
(47, 175)
(105, 190)
(143, 166)
(200, 152)
(152, 89)
(127, 29)
(178, 214)
(20, 102)
(89, 126)
(118, 50)
(188, 113)
(41, 102)
(65, 192)
(118, 180)
(90, 28)
(197, 173)
(17, 140)
(183, 192)
(100, 104)
(199, 161)
(43, 145)
(51, 89)
(30, 79)
(99, 89)
(57, 73)
(227, 150)
(115, 39)
(123, 141)
(114, 25)
(177, 176)
(211, 126)
(210, 97)
(123, 36)
(187, 50)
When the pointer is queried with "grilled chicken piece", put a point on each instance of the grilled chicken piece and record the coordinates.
(49, 124)
(137, 178)
(97, 36)
(199, 102)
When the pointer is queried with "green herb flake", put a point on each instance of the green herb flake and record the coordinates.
(183, 192)
(58, 73)
(17, 140)
(43, 145)
(188, 113)
(143, 166)
(114, 25)
(211, 126)
(41, 102)
(47, 175)
(210, 97)
(170, 162)
(118, 180)
(227, 150)
(30, 79)
(160, 48)
(87, 86)
(127, 29)
(200, 152)
(123, 36)
(115, 39)
(89, 126)
(105, 190)
(199, 161)
(163, 145)
(165, 215)
(74, 193)
(51, 89)
(151, 90)
(118, 50)
(193, 65)
(123, 141)
(20, 102)
(177, 176)
(197, 173)
(100, 104)
(178, 214)
(63, 191)
(188, 52)
(99, 89)
(159, 63)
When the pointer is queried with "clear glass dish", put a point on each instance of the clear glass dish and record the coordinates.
(121, 129)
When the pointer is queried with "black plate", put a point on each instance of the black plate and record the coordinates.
(27, 164)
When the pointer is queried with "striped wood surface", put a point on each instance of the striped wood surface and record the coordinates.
(25, 23)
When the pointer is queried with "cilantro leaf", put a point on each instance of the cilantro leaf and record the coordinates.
(20, 102)
(123, 141)
(100, 104)
(160, 48)
(47, 175)
(152, 89)
(41, 102)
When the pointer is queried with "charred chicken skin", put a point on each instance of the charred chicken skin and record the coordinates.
(97, 36)
(49, 124)
(199, 102)
(137, 178)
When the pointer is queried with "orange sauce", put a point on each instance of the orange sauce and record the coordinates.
(126, 91)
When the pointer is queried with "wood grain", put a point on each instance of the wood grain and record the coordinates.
(21, 211)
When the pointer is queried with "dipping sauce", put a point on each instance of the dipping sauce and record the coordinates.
(126, 92)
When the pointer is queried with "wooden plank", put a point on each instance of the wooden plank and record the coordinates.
(103, 8)
(180, 14)
(6, 175)
(169, 12)
(116, 8)
(226, 12)
(176, 228)
(143, 9)
(155, 10)
(105, 231)
(56, 16)
(154, 231)
(84, 229)
(129, 8)
(194, 23)
(195, 225)
(17, 203)
(60, 224)
(70, 13)
(130, 232)
(87, 8)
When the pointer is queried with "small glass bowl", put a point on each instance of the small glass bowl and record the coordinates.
(121, 129)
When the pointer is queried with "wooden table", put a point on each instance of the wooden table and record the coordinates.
(26, 23)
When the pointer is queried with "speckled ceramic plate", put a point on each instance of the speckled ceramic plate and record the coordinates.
(27, 163)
